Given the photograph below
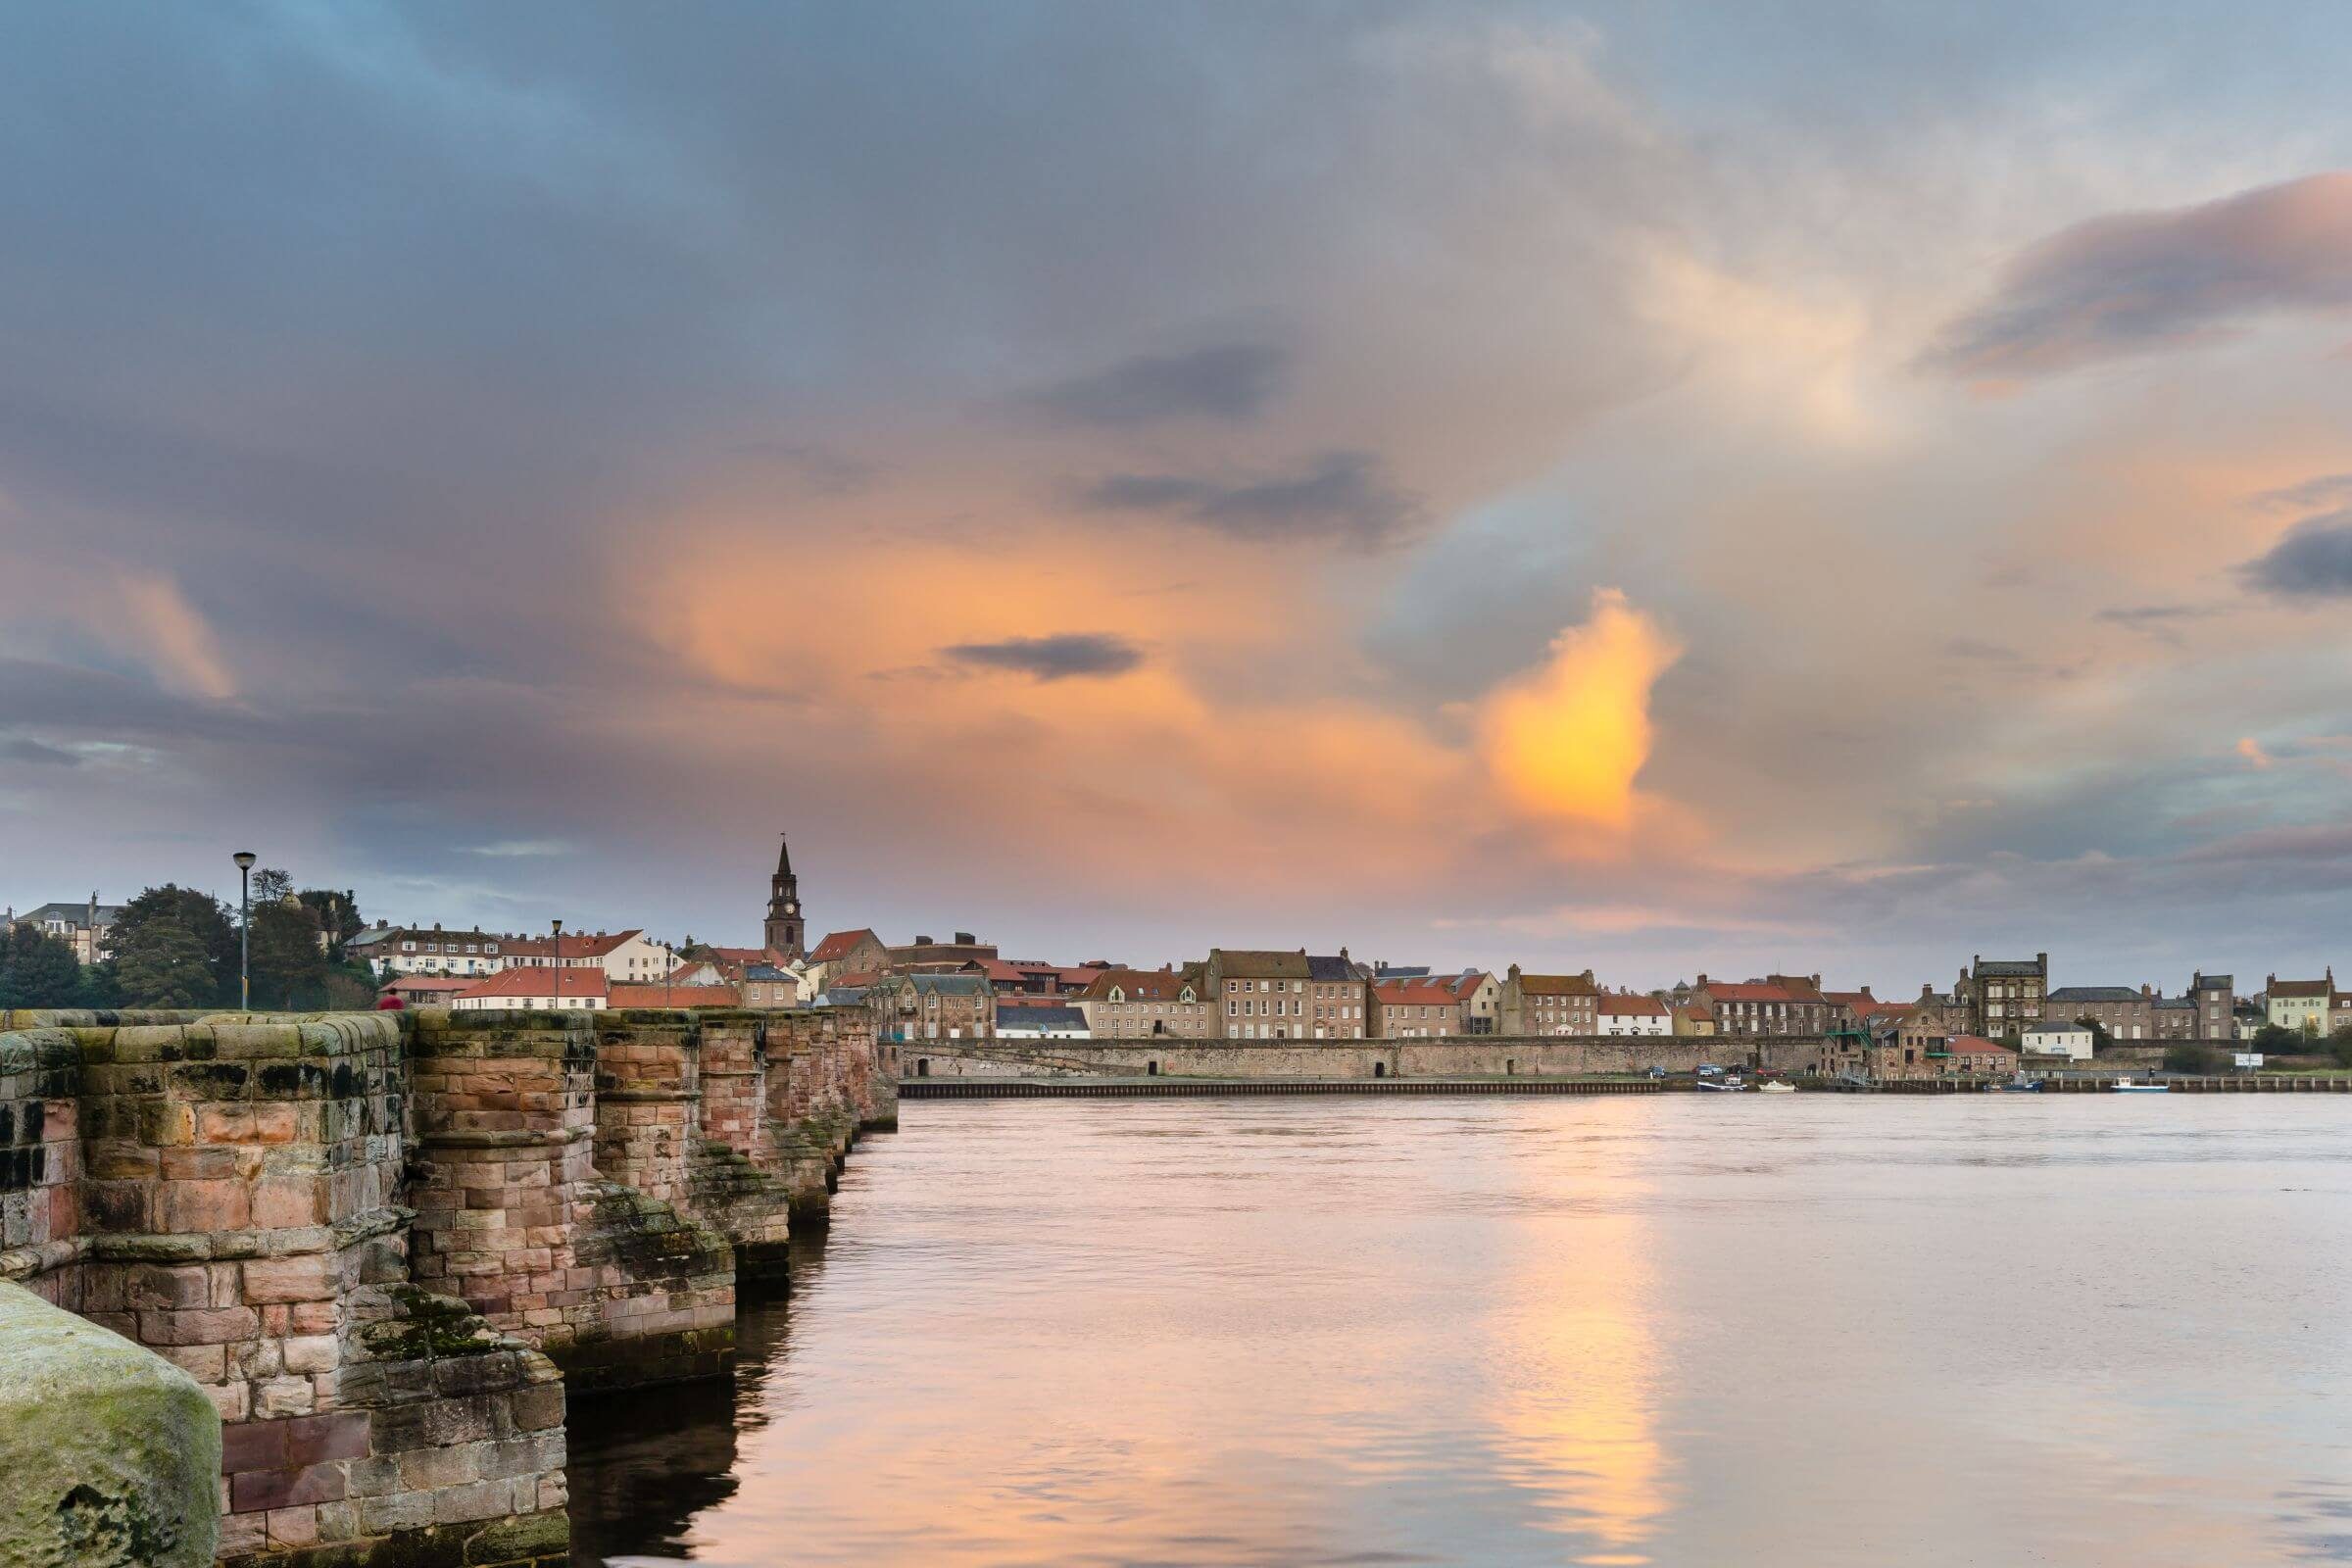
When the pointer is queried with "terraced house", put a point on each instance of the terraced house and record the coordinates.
(1777, 1005)
(1412, 1009)
(1548, 1004)
(1338, 998)
(2303, 1006)
(932, 1007)
(2003, 997)
(1148, 1004)
(1260, 994)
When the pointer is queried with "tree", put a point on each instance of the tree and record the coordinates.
(337, 914)
(289, 966)
(38, 969)
(2277, 1039)
(2101, 1042)
(162, 963)
(270, 884)
(201, 916)
(2188, 1055)
(2339, 1046)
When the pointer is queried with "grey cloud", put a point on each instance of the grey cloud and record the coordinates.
(1231, 381)
(2312, 561)
(2160, 622)
(1340, 496)
(1056, 658)
(1978, 649)
(25, 750)
(2312, 495)
(2137, 282)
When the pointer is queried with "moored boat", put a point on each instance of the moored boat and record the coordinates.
(2022, 1085)
(1776, 1087)
(1722, 1086)
(2125, 1086)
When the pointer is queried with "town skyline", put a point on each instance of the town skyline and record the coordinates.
(1578, 497)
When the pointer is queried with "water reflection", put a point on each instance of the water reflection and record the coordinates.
(645, 1462)
(1823, 1331)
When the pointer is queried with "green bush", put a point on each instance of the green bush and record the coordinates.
(2190, 1056)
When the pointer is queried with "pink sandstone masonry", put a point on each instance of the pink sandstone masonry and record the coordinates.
(383, 1244)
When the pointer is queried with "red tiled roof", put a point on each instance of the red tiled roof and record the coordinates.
(657, 996)
(1977, 1045)
(837, 945)
(1740, 991)
(2300, 988)
(1141, 984)
(1862, 1002)
(429, 982)
(593, 945)
(1557, 985)
(1412, 992)
(855, 977)
(1462, 985)
(746, 954)
(1636, 1006)
(539, 982)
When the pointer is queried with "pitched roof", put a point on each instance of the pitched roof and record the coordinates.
(1975, 1045)
(1320, 966)
(2008, 966)
(1557, 985)
(1137, 985)
(2095, 993)
(943, 985)
(1258, 964)
(838, 945)
(1463, 984)
(587, 945)
(745, 955)
(1050, 1016)
(1862, 1002)
(628, 996)
(766, 971)
(539, 981)
(422, 983)
(1406, 990)
(1625, 1005)
(76, 913)
(2301, 988)
(1748, 991)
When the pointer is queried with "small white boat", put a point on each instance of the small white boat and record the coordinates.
(2125, 1086)
(1776, 1087)
(1722, 1086)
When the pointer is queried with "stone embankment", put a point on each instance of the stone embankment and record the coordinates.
(1456, 1057)
(382, 1246)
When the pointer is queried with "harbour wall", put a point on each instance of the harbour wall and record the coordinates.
(1456, 1057)
(384, 1244)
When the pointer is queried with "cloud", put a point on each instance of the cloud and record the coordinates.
(2251, 749)
(2160, 622)
(1231, 381)
(1059, 657)
(1566, 742)
(2327, 491)
(25, 750)
(2313, 559)
(521, 849)
(1342, 496)
(2141, 282)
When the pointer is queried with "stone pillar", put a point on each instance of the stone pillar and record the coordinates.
(648, 1094)
(40, 1163)
(731, 1185)
(617, 1286)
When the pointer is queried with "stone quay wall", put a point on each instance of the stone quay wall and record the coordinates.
(1459, 1057)
(383, 1245)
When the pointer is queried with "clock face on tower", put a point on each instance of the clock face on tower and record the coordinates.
(791, 907)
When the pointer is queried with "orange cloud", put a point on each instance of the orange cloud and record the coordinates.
(1565, 742)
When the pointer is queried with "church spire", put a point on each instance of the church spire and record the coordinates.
(784, 855)
(786, 928)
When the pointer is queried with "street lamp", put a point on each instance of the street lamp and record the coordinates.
(558, 960)
(244, 859)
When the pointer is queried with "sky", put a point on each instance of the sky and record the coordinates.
(1656, 487)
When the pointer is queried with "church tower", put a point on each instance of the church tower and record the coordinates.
(786, 931)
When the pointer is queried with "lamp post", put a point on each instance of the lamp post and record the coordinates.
(244, 859)
(558, 960)
(669, 967)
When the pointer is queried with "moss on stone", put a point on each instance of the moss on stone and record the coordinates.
(428, 1326)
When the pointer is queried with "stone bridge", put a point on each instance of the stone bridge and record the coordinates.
(384, 1246)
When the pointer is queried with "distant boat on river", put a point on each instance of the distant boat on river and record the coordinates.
(2022, 1085)
(1776, 1087)
(1722, 1086)
(2125, 1086)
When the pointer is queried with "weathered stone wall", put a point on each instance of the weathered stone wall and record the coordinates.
(363, 1237)
(1467, 1057)
(514, 1219)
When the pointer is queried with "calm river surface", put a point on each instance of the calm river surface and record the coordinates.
(1682, 1330)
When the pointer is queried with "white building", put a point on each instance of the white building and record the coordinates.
(540, 990)
(392, 951)
(1042, 1023)
(627, 958)
(1624, 1014)
(2069, 1040)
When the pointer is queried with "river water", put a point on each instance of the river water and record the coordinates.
(1681, 1329)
